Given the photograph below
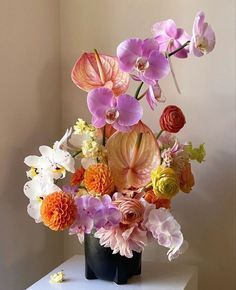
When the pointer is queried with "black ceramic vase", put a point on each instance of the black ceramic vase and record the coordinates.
(100, 263)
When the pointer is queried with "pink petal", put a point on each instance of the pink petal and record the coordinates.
(128, 51)
(158, 66)
(148, 46)
(99, 100)
(85, 74)
(130, 110)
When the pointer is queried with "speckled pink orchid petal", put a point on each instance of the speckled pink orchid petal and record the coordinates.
(85, 74)
(132, 156)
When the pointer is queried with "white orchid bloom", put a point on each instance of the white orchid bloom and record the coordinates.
(54, 163)
(62, 144)
(36, 190)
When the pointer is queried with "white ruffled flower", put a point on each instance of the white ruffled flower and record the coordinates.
(36, 190)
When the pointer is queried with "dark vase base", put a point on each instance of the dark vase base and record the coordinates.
(100, 263)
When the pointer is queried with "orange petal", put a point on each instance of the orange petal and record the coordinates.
(132, 156)
(91, 71)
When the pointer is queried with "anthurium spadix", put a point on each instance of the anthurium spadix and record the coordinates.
(132, 156)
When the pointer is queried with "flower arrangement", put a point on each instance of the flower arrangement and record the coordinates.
(124, 175)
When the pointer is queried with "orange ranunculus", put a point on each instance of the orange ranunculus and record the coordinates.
(58, 211)
(93, 71)
(131, 209)
(186, 179)
(158, 201)
(98, 179)
(78, 176)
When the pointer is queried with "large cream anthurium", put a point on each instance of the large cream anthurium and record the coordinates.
(132, 156)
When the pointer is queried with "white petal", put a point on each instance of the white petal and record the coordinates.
(33, 210)
(46, 151)
(86, 162)
(77, 140)
(32, 160)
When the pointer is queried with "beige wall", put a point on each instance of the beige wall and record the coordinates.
(207, 215)
(29, 116)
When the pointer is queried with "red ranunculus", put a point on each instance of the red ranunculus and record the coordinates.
(172, 119)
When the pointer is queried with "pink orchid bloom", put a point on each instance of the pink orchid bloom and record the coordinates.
(122, 112)
(170, 37)
(144, 57)
(92, 71)
(203, 39)
(154, 95)
(166, 230)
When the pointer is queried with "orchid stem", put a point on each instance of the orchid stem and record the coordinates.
(76, 153)
(138, 91)
(159, 134)
(178, 49)
(104, 136)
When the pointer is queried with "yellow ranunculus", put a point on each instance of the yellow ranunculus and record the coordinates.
(165, 182)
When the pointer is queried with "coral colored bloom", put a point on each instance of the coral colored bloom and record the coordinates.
(203, 39)
(143, 57)
(122, 112)
(78, 176)
(58, 211)
(93, 71)
(131, 209)
(186, 179)
(165, 182)
(170, 37)
(98, 179)
(158, 201)
(172, 119)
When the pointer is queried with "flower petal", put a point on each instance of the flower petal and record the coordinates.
(85, 74)
(158, 66)
(132, 156)
(148, 46)
(99, 100)
(128, 51)
(130, 110)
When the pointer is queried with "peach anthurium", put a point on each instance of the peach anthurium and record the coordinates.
(132, 156)
(93, 71)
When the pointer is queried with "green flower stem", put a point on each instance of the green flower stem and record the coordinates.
(104, 136)
(138, 90)
(76, 153)
(159, 134)
(178, 49)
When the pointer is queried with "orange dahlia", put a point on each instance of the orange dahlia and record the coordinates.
(98, 178)
(159, 202)
(78, 176)
(58, 211)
